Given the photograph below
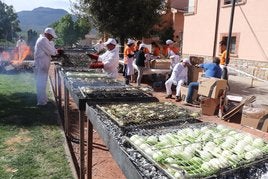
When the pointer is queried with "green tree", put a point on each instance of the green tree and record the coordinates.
(32, 37)
(9, 23)
(65, 30)
(69, 32)
(82, 26)
(121, 18)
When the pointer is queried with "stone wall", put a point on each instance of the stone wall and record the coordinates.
(242, 67)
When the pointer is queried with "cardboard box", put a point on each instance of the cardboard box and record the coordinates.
(260, 123)
(210, 106)
(184, 92)
(194, 73)
(160, 64)
(212, 87)
(196, 60)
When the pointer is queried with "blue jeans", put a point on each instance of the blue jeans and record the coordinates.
(192, 86)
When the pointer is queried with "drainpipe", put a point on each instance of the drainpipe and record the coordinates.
(230, 33)
(225, 71)
(216, 28)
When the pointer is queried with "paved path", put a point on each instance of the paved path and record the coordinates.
(243, 86)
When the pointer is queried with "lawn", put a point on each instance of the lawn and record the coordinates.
(31, 141)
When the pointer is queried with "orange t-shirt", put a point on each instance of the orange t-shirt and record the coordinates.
(223, 57)
(156, 51)
(175, 50)
(136, 47)
(165, 51)
(127, 51)
(146, 50)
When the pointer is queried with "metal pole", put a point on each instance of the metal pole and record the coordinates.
(225, 70)
(230, 33)
(216, 28)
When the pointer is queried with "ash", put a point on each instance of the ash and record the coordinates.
(8, 68)
(145, 168)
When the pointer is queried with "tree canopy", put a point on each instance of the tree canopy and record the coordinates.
(123, 19)
(9, 23)
(70, 31)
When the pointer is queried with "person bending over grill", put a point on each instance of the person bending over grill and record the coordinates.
(43, 50)
(109, 61)
(179, 76)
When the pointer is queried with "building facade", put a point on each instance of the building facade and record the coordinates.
(249, 42)
(249, 35)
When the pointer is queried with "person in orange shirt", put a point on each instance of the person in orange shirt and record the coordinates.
(128, 71)
(223, 56)
(223, 50)
(155, 50)
(164, 50)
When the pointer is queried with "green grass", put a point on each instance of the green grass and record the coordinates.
(31, 142)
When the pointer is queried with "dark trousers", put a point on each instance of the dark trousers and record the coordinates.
(192, 86)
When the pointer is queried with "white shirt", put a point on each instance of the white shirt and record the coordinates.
(42, 52)
(179, 72)
(110, 59)
(20, 42)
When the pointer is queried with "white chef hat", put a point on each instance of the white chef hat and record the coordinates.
(130, 41)
(51, 32)
(110, 41)
(141, 45)
(168, 42)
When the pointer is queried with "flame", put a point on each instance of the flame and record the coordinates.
(5, 55)
(20, 54)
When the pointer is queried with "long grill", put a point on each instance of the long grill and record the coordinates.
(134, 116)
(73, 58)
(94, 87)
(200, 150)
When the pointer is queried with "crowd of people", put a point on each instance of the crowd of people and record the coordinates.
(135, 52)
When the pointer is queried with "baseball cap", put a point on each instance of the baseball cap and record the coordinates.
(141, 46)
(168, 42)
(110, 41)
(130, 41)
(51, 32)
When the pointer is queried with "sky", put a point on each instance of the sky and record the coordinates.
(21, 5)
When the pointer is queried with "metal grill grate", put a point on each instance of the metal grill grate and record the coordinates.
(198, 150)
(135, 115)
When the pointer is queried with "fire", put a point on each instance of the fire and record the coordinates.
(21, 53)
(5, 56)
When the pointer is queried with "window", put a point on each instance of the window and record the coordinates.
(229, 2)
(234, 44)
(190, 9)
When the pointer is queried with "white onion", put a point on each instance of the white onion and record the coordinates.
(176, 150)
(178, 174)
(258, 142)
(226, 153)
(149, 151)
(226, 145)
(249, 139)
(205, 155)
(170, 160)
(152, 139)
(144, 146)
(249, 148)
(249, 156)
(231, 140)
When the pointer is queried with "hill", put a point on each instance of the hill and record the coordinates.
(39, 18)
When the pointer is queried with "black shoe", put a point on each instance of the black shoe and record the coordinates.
(168, 96)
(178, 99)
